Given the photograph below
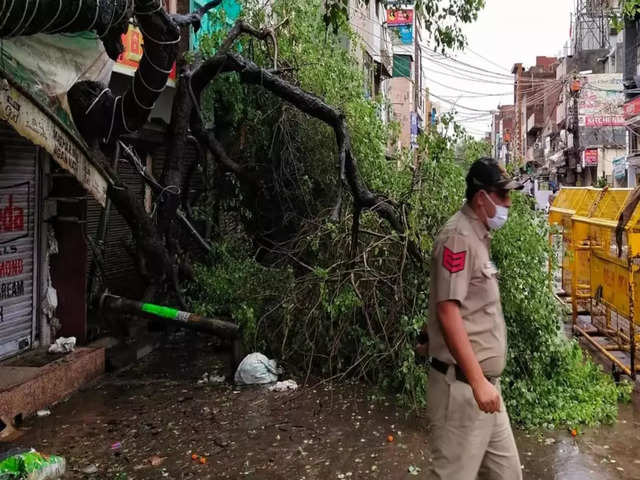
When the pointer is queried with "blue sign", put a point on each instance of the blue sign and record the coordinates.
(406, 34)
(414, 129)
(620, 167)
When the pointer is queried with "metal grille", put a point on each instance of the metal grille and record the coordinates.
(17, 233)
(120, 270)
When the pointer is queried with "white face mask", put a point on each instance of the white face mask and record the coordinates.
(501, 216)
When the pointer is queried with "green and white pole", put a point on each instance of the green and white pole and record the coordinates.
(220, 328)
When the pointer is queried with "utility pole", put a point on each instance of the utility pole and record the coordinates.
(517, 140)
(575, 160)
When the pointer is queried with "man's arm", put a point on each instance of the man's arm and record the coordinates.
(457, 340)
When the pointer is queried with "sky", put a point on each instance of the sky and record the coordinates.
(506, 32)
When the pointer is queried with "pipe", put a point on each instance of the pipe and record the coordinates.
(220, 328)
(585, 335)
(102, 228)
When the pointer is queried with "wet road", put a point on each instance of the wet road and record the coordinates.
(603, 453)
(148, 421)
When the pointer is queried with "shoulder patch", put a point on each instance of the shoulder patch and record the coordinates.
(454, 262)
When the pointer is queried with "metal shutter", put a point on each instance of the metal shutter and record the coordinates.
(17, 240)
(121, 273)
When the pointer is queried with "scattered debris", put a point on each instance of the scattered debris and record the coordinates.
(211, 379)
(63, 345)
(116, 446)
(287, 385)
(90, 469)
(414, 470)
(256, 369)
(33, 465)
(43, 413)
(390, 439)
(156, 460)
(549, 441)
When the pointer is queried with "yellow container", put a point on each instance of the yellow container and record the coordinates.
(568, 202)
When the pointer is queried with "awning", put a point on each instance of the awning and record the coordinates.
(38, 115)
(558, 159)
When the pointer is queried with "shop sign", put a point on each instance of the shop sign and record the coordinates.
(133, 43)
(414, 130)
(590, 157)
(404, 33)
(13, 208)
(600, 101)
(30, 121)
(619, 167)
(396, 17)
(632, 108)
(14, 226)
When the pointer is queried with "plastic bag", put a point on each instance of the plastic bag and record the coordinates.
(32, 466)
(63, 345)
(256, 369)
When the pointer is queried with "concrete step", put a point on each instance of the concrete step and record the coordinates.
(29, 383)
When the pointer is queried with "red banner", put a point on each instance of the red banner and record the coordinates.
(632, 108)
(399, 17)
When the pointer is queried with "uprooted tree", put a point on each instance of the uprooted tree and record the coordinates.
(319, 257)
(102, 118)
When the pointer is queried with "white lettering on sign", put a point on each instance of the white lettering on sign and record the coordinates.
(31, 122)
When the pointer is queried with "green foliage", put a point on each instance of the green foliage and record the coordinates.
(443, 20)
(295, 288)
(548, 381)
(236, 286)
(629, 10)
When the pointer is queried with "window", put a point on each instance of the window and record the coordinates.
(402, 66)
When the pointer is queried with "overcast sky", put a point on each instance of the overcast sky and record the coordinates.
(506, 32)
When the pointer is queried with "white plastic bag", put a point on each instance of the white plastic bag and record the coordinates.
(256, 369)
(63, 345)
(286, 386)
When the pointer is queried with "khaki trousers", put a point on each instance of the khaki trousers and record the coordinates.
(466, 443)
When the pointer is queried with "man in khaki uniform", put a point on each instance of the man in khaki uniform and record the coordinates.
(470, 431)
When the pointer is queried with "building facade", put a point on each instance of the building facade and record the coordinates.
(407, 92)
(53, 197)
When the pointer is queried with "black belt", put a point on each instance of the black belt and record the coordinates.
(443, 368)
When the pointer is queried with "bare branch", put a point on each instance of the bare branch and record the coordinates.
(314, 106)
(195, 18)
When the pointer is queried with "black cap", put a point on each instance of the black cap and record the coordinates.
(486, 174)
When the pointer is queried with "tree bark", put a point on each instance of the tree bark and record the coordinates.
(312, 105)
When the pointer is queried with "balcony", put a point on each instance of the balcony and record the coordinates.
(535, 123)
(535, 155)
(386, 62)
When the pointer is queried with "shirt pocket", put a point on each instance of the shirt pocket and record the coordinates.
(489, 275)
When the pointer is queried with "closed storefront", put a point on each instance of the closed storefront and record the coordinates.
(18, 258)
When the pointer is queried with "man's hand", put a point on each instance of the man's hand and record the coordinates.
(487, 396)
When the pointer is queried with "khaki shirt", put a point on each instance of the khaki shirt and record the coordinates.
(462, 271)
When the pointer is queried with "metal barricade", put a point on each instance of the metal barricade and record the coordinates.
(604, 263)
(568, 201)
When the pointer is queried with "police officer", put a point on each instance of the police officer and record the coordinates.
(470, 431)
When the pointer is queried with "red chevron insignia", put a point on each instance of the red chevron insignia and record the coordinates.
(454, 261)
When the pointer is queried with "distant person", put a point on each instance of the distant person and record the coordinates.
(470, 428)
